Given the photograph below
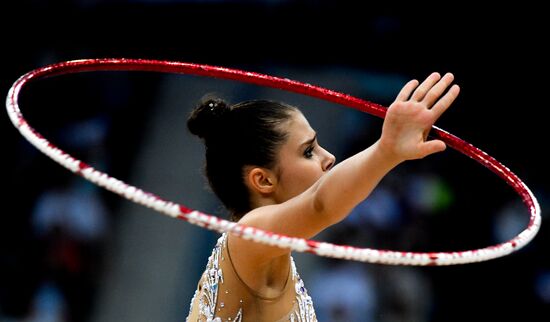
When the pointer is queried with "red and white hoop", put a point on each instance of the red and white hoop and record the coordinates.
(214, 223)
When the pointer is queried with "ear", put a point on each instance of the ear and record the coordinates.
(261, 180)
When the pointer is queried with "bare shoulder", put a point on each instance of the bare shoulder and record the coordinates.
(252, 252)
(295, 218)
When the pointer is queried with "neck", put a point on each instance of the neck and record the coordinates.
(261, 201)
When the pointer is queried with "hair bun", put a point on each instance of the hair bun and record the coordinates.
(208, 117)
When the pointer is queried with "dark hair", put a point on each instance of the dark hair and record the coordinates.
(244, 134)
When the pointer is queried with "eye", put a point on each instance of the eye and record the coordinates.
(308, 153)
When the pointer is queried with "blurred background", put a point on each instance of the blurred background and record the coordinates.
(71, 251)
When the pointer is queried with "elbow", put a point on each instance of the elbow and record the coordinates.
(318, 205)
(322, 211)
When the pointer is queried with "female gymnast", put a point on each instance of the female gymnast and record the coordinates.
(264, 163)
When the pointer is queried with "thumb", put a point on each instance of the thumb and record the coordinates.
(433, 146)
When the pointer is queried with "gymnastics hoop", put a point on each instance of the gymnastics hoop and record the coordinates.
(261, 236)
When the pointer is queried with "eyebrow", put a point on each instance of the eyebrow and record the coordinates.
(310, 141)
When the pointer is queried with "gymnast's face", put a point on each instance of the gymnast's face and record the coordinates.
(301, 160)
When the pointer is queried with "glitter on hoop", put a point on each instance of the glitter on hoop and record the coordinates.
(214, 223)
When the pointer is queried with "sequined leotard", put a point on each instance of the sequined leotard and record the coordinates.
(222, 296)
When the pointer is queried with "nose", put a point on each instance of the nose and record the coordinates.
(328, 160)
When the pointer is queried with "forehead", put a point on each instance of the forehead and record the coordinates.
(298, 127)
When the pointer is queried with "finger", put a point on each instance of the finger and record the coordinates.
(433, 146)
(444, 102)
(406, 91)
(426, 85)
(438, 89)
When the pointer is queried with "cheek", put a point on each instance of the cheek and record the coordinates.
(301, 177)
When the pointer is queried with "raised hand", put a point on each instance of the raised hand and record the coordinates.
(411, 116)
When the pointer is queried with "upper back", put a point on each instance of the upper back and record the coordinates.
(223, 294)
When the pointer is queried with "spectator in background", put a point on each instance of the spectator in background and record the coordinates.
(71, 220)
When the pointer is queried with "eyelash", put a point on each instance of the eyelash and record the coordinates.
(308, 153)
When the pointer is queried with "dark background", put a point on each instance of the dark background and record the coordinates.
(498, 56)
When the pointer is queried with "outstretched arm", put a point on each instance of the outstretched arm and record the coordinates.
(404, 137)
